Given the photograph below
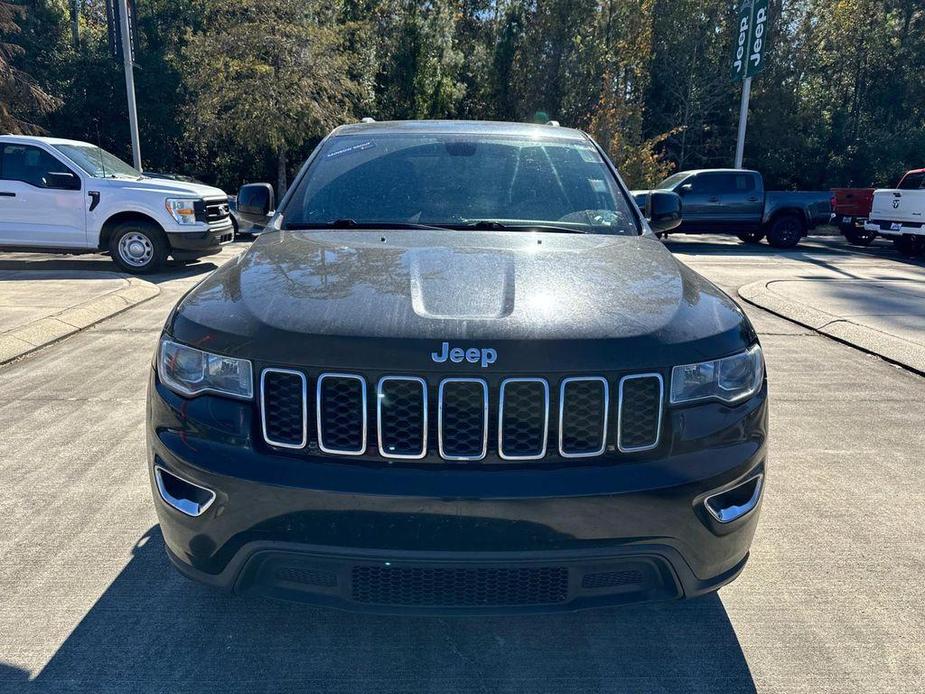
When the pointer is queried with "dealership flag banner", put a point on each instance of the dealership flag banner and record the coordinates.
(741, 44)
(758, 38)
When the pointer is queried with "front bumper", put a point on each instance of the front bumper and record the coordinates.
(188, 245)
(459, 538)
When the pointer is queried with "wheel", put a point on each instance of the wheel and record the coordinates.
(138, 247)
(785, 231)
(909, 246)
(857, 237)
(751, 236)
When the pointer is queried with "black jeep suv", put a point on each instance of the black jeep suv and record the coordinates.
(458, 373)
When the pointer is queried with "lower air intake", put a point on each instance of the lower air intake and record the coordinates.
(459, 587)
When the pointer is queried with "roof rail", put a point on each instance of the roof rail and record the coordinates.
(367, 119)
(553, 123)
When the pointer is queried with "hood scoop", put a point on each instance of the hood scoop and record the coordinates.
(460, 284)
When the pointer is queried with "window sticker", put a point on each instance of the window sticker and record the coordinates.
(589, 154)
(352, 148)
(597, 185)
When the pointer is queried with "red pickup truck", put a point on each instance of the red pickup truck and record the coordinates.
(850, 210)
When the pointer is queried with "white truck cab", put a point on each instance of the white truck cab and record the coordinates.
(68, 196)
(899, 213)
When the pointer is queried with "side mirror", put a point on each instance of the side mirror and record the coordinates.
(663, 210)
(256, 201)
(62, 180)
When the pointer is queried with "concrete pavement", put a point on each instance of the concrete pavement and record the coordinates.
(831, 600)
(884, 316)
(41, 306)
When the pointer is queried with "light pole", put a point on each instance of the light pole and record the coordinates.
(125, 24)
(743, 120)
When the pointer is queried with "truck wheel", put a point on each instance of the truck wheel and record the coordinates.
(751, 236)
(138, 247)
(785, 231)
(857, 237)
(909, 246)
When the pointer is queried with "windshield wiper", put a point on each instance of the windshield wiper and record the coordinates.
(493, 225)
(354, 224)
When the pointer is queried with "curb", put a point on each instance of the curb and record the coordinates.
(888, 347)
(45, 331)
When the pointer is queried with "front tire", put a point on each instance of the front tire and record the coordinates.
(785, 231)
(909, 246)
(751, 237)
(138, 248)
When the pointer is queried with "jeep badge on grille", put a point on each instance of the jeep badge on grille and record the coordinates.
(473, 355)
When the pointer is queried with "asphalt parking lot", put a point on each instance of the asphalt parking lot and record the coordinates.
(831, 600)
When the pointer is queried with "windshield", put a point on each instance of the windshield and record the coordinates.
(672, 181)
(97, 162)
(461, 180)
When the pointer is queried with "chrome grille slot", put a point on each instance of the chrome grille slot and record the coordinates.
(462, 419)
(341, 413)
(584, 403)
(401, 417)
(523, 418)
(639, 421)
(284, 407)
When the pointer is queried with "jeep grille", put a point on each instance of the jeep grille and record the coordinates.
(492, 420)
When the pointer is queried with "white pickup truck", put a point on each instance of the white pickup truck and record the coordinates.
(65, 196)
(899, 213)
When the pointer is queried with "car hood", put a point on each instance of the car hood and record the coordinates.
(341, 296)
(164, 186)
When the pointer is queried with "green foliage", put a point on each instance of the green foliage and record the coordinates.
(20, 96)
(235, 90)
(267, 75)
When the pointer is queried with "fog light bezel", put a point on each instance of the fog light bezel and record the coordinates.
(738, 510)
(192, 508)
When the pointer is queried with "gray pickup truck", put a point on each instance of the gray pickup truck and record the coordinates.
(734, 201)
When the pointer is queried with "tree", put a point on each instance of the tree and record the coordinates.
(421, 75)
(20, 96)
(268, 75)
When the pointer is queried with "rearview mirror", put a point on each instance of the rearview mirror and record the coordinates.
(62, 180)
(685, 188)
(663, 210)
(256, 201)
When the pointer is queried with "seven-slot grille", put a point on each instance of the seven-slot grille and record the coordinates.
(515, 414)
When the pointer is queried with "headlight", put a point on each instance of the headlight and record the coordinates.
(190, 371)
(730, 380)
(183, 211)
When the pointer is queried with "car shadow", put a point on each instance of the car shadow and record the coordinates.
(154, 630)
(97, 267)
(720, 244)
